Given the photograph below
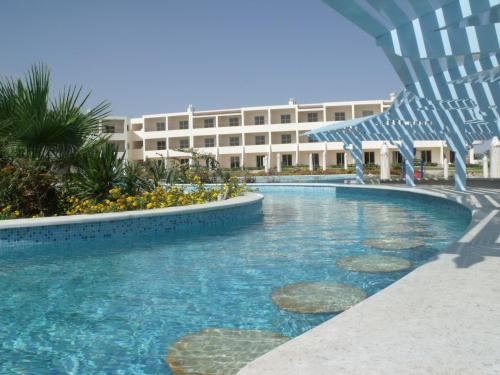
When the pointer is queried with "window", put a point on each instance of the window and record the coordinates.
(452, 157)
(260, 139)
(209, 142)
(312, 117)
(109, 129)
(161, 145)
(286, 118)
(286, 160)
(367, 113)
(234, 141)
(208, 123)
(426, 156)
(184, 143)
(184, 161)
(315, 160)
(184, 124)
(259, 120)
(397, 158)
(370, 157)
(286, 138)
(160, 126)
(234, 121)
(340, 158)
(259, 161)
(235, 161)
(339, 116)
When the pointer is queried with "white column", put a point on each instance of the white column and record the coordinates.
(471, 156)
(266, 164)
(385, 172)
(297, 149)
(345, 161)
(278, 162)
(311, 161)
(242, 161)
(269, 156)
(495, 158)
(485, 166)
(445, 168)
(323, 164)
(441, 157)
(191, 126)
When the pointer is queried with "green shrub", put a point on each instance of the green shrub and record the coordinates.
(97, 172)
(29, 186)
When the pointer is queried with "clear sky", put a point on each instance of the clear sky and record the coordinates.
(155, 56)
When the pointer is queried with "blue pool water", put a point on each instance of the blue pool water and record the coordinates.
(116, 306)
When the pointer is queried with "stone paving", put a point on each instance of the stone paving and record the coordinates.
(442, 318)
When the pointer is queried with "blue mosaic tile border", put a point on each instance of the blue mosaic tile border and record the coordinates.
(131, 227)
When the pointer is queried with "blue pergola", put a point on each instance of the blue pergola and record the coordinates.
(446, 53)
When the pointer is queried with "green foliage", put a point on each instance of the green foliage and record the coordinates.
(158, 172)
(52, 151)
(29, 186)
(97, 172)
(205, 167)
(135, 179)
(34, 126)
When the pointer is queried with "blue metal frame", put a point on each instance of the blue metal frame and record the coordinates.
(446, 53)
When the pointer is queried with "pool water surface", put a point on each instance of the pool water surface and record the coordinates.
(117, 305)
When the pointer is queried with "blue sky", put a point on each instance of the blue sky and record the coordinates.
(156, 56)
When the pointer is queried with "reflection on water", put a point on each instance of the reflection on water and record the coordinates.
(118, 305)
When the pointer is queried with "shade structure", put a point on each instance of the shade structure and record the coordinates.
(446, 53)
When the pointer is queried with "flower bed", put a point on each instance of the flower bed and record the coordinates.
(161, 197)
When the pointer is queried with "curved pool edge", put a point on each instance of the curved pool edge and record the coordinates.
(38, 230)
(440, 318)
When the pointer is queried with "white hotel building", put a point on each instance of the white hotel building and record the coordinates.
(243, 137)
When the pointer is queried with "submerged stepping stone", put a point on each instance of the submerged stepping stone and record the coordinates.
(373, 263)
(219, 351)
(317, 298)
(394, 244)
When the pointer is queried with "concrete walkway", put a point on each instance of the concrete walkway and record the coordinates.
(442, 318)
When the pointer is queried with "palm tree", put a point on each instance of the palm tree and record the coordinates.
(35, 126)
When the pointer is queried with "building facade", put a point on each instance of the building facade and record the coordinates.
(257, 137)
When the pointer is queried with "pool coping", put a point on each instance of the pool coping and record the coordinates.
(242, 200)
(441, 318)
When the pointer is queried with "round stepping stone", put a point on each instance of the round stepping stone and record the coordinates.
(394, 244)
(317, 298)
(219, 351)
(392, 228)
(373, 263)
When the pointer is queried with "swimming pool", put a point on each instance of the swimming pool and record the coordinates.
(117, 305)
